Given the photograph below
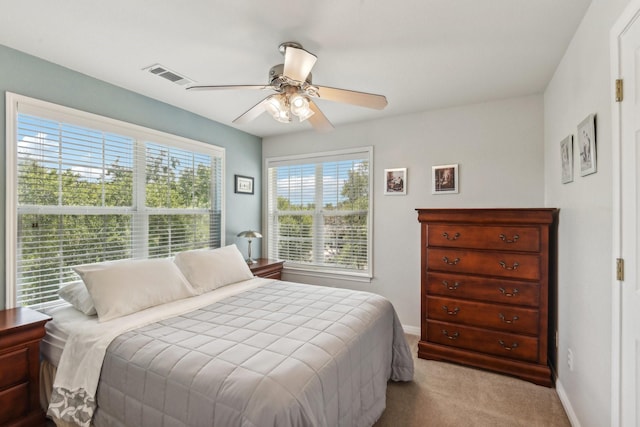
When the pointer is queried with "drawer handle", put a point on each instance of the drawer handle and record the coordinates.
(451, 312)
(453, 336)
(446, 236)
(504, 320)
(454, 262)
(507, 240)
(451, 288)
(513, 346)
(506, 267)
(513, 293)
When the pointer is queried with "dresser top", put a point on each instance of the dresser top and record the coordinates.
(489, 216)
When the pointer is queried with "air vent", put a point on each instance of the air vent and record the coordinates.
(165, 73)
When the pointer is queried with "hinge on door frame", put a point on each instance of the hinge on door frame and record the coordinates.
(619, 90)
(619, 269)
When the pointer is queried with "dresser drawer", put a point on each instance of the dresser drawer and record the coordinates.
(502, 264)
(14, 403)
(493, 316)
(484, 341)
(484, 289)
(509, 238)
(14, 367)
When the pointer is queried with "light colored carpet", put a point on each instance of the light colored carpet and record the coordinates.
(444, 394)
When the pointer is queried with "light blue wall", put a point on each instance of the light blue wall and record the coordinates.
(30, 76)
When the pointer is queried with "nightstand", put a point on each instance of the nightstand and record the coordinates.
(21, 330)
(267, 268)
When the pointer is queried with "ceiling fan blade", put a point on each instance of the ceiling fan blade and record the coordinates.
(225, 87)
(363, 99)
(319, 121)
(252, 112)
(298, 63)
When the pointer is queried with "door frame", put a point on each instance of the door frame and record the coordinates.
(628, 16)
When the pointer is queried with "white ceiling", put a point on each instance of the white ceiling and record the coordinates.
(420, 54)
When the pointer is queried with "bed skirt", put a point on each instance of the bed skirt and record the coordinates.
(47, 375)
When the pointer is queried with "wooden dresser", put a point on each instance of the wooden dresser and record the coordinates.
(21, 330)
(488, 289)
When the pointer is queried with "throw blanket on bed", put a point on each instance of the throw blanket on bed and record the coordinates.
(281, 354)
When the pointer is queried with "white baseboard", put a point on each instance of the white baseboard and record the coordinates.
(564, 399)
(411, 330)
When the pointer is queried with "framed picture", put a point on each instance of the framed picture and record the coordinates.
(445, 179)
(566, 156)
(587, 145)
(395, 182)
(244, 184)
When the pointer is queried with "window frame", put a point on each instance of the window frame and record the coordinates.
(16, 104)
(318, 159)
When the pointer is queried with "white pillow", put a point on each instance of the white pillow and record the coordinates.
(123, 287)
(209, 269)
(77, 295)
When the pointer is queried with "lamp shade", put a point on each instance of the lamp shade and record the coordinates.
(250, 234)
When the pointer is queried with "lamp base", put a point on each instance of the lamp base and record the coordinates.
(249, 260)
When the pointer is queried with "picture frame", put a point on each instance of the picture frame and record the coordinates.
(395, 182)
(243, 184)
(444, 179)
(587, 145)
(566, 158)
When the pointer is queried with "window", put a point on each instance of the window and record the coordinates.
(84, 188)
(319, 212)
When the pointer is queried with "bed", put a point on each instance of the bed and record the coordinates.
(248, 352)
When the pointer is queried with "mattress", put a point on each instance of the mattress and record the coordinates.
(66, 319)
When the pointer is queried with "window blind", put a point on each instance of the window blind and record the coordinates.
(319, 212)
(87, 194)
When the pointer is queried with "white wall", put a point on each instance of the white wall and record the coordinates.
(498, 146)
(509, 155)
(582, 85)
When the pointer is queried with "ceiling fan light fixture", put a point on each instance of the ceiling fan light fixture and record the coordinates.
(283, 117)
(276, 106)
(304, 116)
(300, 106)
(294, 92)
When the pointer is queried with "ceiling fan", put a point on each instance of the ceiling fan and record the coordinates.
(294, 91)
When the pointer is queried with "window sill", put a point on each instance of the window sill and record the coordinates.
(324, 274)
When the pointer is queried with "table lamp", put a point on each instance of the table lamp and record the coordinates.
(249, 235)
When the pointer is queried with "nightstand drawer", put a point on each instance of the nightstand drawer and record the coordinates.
(21, 330)
(14, 367)
(272, 275)
(14, 403)
(267, 268)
